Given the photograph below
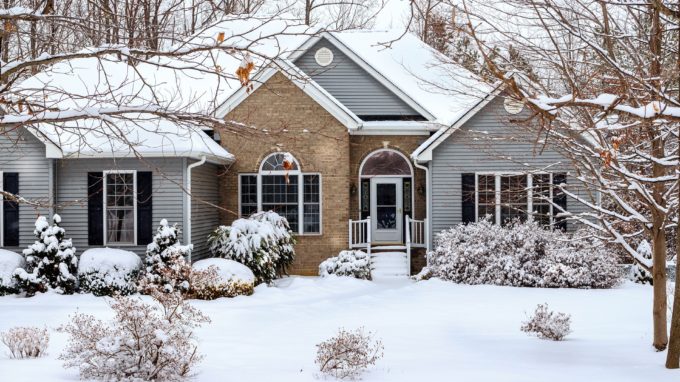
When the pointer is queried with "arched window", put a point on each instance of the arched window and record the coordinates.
(281, 187)
(280, 162)
(386, 162)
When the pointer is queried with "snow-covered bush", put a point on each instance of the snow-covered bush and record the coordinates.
(144, 341)
(547, 324)
(348, 354)
(166, 266)
(285, 252)
(109, 272)
(26, 342)
(9, 262)
(347, 263)
(639, 274)
(522, 254)
(263, 243)
(215, 278)
(50, 262)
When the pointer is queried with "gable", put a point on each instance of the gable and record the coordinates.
(355, 88)
(489, 141)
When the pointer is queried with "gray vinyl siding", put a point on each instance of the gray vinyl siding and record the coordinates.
(168, 196)
(352, 85)
(488, 142)
(25, 154)
(204, 217)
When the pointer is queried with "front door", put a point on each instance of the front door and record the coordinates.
(386, 210)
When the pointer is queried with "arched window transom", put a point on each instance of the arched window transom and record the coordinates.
(386, 162)
(280, 162)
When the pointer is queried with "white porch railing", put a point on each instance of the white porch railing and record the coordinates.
(415, 237)
(360, 234)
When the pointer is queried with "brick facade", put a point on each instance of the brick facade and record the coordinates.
(297, 124)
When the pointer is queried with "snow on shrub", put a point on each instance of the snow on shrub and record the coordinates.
(109, 272)
(263, 243)
(26, 342)
(348, 354)
(215, 278)
(144, 341)
(347, 263)
(521, 254)
(50, 261)
(547, 324)
(166, 266)
(9, 262)
(639, 274)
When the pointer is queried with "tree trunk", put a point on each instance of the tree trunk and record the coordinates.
(673, 355)
(660, 309)
(308, 11)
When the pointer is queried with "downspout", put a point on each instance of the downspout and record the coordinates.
(428, 197)
(187, 229)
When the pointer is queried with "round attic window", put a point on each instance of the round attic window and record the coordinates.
(324, 57)
(512, 105)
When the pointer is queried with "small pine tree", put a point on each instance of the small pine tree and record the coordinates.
(638, 273)
(166, 267)
(50, 261)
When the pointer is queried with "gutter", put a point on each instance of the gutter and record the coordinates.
(187, 212)
(428, 198)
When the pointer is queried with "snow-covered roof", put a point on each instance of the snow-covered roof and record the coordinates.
(144, 135)
(203, 81)
(429, 81)
(425, 79)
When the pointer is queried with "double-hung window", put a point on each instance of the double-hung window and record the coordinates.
(504, 197)
(120, 215)
(281, 187)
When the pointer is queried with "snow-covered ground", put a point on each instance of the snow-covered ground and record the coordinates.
(432, 331)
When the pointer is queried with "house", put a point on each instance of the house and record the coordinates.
(361, 139)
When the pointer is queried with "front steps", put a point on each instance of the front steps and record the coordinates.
(389, 261)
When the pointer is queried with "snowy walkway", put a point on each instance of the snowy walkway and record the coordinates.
(432, 331)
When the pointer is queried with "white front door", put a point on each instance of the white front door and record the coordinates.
(386, 210)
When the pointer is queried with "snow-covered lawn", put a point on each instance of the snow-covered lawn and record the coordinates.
(432, 331)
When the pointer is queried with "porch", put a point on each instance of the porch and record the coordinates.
(388, 259)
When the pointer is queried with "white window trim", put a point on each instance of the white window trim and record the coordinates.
(134, 200)
(497, 191)
(301, 204)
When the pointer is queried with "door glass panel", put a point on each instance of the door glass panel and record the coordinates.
(386, 206)
(386, 194)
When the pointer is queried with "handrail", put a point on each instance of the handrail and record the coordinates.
(360, 234)
(408, 243)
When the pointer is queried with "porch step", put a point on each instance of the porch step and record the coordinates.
(389, 264)
(389, 248)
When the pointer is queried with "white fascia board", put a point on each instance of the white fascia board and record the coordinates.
(52, 151)
(424, 152)
(379, 77)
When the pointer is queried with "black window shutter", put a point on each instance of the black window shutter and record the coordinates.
(95, 208)
(365, 198)
(10, 216)
(560, 199)
(144, 207)
(467, 181)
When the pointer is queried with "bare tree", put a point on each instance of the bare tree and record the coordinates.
(600, 81)
(340, 14)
